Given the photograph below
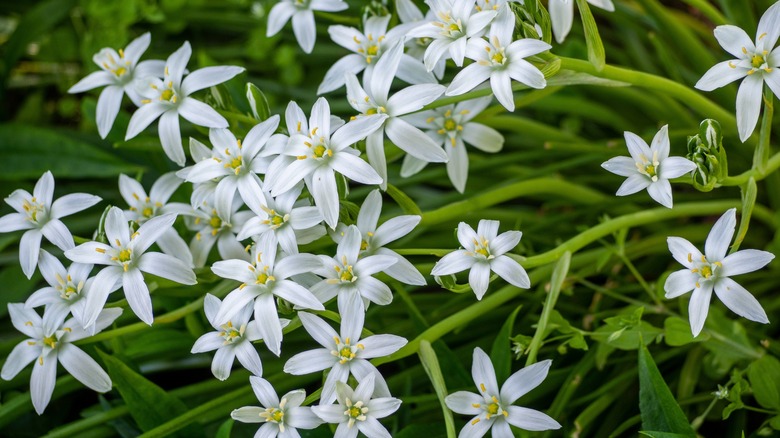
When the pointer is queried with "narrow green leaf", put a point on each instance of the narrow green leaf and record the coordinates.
(257, 102)
(501, 353)
(431, 365)
(655, 434)
(225, 429)
(556, 283)
(764, 376)
(660, 411)
(404, 201)
(596, 54)
(749, 192)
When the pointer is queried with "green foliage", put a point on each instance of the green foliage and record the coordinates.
(661, 415)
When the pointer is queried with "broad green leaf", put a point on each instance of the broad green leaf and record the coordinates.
(764, 376)
(596, 54)
(659, 410)
(26, 152)
(431, 365)
(677, 332)
(501, 353)
(404, 201)
(149, 405)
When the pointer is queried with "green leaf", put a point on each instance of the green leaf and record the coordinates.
(659, 410)
(159, 342)
(427, 430)
(655, 434)
(27, 152)
(404, 201)
(431, 365)
(749, 192)
(501, 353)
(596, 54)
(257, 102)
(17, 286)
(225, 429)
(149, 405)
(764, 377)
(678, 332)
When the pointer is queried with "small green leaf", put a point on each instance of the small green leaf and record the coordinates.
(404, 201)
(764, 376)
(431, 365)
(501, 353)
(659, 410)
(596, 54)
(257, 102)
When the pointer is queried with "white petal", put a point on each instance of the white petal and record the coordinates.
(479, 277)
(323, 189)
(384, 72)
(104, 283)
(483, 373)
(561, 16)
(304, 29)
(680, 282)
(107, 108)
(683, 251)
(172, 244)
(355, 168)
(44, 376)
(468, 78)
(208, 77)
(413, 141)
(394, 229)
(373, 428)
(90, 253)
(482, 137)
(29, 247)
(674, 167)
(413, 98)
(199, 113)
(301, 417)
(137, 294)
(739, 300)
(279, 15)
(733, 40)
(769, 24)
(14, 222)
(223, 362)
(150, 231)
(501, 84)
(661, 191)
(356, 130)
(510, 271)
(44, 189)
(81, 366)
(402, 270)
(375, 291)
(747, 260)
(248, 357)
(57, 233)
(334, 78)
(250, 414)
(719, 75)
(462, 402)
(749, 105)
(208, 342)
(699, 306)
(21, 356)
(720, 236)
(453, 262)
(633, 184)
(530, 419)
(413, 71)
(264, 391)
(524, 380)
(637, 147)
(165, 266)
(143, 117)
(297, 295)
(381, 345)
(318, 329)
(93, 80)
(267, 321)
(171, 138)
(375, 150)
(72, 203)
(309, 362)
(524, 72)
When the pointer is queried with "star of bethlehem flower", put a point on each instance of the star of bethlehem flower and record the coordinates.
(375, 238)
(358, 410)
(170, 98)
(119, 74)
(347, 274)
(344, 353)
(410, 14)
(279, 417)
(757, 63)
(649, 168)
(451, 127)
(144, 207)
(232, 339)
(372, 102)
(40, 217)
(213, 225)
(290, 221)
(500, 59)
(50, 341)
(493, 408)
(562, 15)
(262, 281)
(301, 12)
(126, 258)
(314, 155)
(484, 252)
(368, 47)
(455, 22)
(710, 271)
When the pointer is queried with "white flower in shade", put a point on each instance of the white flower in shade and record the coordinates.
(49, 341)
(316, 155)
(492, 408)
(262, 281)
(451, 127)
(358, 410)
(301, 12)
(562, 15)
(500, 59)
(344, 353)
(375, 238)
(756, 63)
(369, 46)
(484, 252)
(144, 207)
(40, 216)
(126, 258)
(710, 271)
(213, 225)
(347, 274)
(291, 223)
(170, 98)
(410, 14)
(279, 417)
(233, 339)
(119, 74)
(455, 22)
(649, 167)
(372, 102)
(235, 164)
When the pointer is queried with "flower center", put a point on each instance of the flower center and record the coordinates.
(370, 48)
(275, 220)
(346, 274)
(216, 223)
(490, 409)
(450, 27)
(125, 255)
(230, 334)
(355, 412)
(318, 147)
(377, 110)
(344, 351)
(168, 94)
(758, 60)
(649, 168)
(482, 249)
(51, 341)
(705, 269)
(36, 212)
(118, 67)
(148, 212)
(68, 290)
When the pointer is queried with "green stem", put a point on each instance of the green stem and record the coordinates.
(709, 11)
(556, 284)
(761, 156)
(771, 165)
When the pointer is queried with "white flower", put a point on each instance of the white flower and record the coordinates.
(49, 341)
(484, 252)
(500, 59)
(711, 271)
(120, 72)
(410, 14)
(357, 410)
(280, 418)
(451, 127)
(213, 225)
(291, 225)
(375, 238)
(143, 207)
(649, 168)
(41, 217)
(369, 47)
(302, 18)
(262, 281)
(562, 15)
(235, 164)
(456, 21)
(756, 63)
(126, 258)
(315, 155)
(347, 274)
(170, 98)
(492, 408)
(345, 353)
(233, 339)
(373, 104)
